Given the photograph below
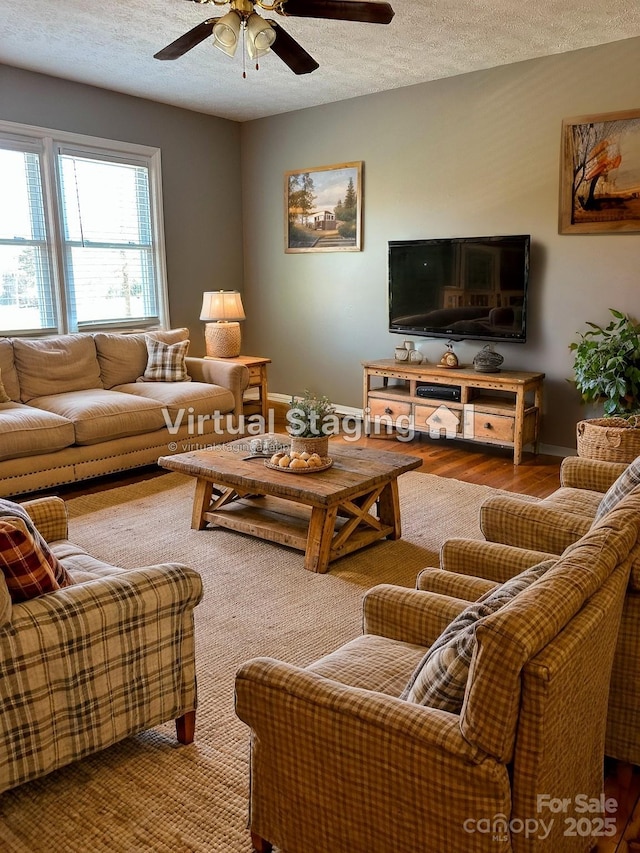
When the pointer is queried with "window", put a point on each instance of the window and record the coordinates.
(81, 243)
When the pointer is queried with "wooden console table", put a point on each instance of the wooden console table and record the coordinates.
(501, 408)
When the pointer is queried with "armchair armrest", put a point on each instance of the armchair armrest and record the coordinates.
(408, 615)
(462, 586)
(268, 690)
(50, 517)
(490, 560)
(530, 525)
(229, 375)
(594, 474)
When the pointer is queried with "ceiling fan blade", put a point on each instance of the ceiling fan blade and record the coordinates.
(340, 10)
(292, 53)
(181, 45)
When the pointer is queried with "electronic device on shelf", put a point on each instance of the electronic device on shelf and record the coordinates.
(460, 288)
(438, 392)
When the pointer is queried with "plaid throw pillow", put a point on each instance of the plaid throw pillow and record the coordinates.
(27, 571)
(166, 362)
(440, 679)
(11, 511)
(626, 482)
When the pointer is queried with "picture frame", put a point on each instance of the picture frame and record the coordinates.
(600, 173)
(323, 209)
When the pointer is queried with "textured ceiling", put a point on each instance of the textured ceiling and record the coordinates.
(110, 43)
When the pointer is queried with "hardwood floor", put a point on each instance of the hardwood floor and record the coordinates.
(485, 465)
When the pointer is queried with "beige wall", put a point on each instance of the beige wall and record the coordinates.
(200, 172)
(468, 156)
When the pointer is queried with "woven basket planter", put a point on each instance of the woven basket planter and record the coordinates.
(319, 445)
(609, 439)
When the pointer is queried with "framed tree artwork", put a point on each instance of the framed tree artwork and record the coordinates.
(600, 173)
(323, 209)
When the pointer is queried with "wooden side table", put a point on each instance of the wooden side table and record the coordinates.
(257, 367)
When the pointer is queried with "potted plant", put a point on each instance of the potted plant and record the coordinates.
(607, 372)
(311, 420)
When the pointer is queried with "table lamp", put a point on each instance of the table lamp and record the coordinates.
(222, 335)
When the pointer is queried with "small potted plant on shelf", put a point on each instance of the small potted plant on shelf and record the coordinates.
(311, 420)
(607, 372)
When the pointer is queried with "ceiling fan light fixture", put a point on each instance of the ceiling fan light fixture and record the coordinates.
(260, 36)
(226, 33)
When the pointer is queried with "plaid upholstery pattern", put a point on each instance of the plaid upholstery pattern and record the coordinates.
(95, 662)
(166, 362)
(49, 516)
(400, 614)
(440, 679)
(27, 572)
(489, 560)
(456, 585)
(104, 659)
(628, 480)
(338, 764)
(594, 475)
(537, 526)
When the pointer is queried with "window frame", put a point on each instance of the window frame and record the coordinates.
(50, 141)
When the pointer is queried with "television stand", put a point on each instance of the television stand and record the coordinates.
(501, 408)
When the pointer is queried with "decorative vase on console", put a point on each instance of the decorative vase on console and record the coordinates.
(487, 360)
(449, 359)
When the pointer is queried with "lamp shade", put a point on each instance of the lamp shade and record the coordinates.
(222, 305)
(260, 36)
(227, 32)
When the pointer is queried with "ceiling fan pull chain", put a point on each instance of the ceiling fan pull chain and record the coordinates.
(244, 50)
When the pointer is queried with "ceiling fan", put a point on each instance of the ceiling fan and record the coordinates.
(263, 35)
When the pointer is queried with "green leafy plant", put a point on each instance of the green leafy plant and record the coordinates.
(310, 416)
(607, 365)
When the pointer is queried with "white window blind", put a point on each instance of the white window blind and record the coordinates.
(26, 286)
(80, 236)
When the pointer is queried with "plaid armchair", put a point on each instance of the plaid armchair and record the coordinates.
(552, 525)
(90, 664)
(339, 762)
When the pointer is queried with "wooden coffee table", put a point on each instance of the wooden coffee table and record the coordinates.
(326, 515)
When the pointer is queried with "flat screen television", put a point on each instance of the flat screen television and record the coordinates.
(458, 288)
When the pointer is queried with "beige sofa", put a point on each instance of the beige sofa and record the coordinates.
(76, 409)
(93, 663)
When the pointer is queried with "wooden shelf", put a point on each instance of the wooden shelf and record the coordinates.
(491, 408)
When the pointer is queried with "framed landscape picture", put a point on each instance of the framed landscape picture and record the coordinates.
(323, 209)
(600, 173)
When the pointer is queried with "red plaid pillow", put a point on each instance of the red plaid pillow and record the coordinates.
(29, 567)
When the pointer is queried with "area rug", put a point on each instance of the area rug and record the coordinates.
(148, 793)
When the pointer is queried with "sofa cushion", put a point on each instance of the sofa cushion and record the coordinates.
(4, 397)
(56, 365)
(80, 565)
(165, 362)
(8, 368)
(28, 567)
(371, 662)
(100, 414)
(440, 679)
(626, 482)
(123, 358)
(27, 431)
(193, 398)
